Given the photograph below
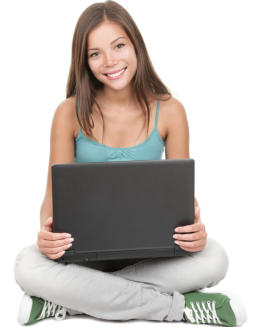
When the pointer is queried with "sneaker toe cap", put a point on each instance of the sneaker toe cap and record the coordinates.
(24, 309)
(238, 308)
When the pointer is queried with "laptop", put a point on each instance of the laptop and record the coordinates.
(122, 209)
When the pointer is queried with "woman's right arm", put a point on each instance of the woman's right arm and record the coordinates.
(52, 244)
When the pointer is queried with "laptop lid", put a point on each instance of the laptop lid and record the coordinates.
(122, 209)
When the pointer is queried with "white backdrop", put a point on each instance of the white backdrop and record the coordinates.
(205, 52)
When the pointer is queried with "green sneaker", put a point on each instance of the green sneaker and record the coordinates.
(33, 309)
(214, 309)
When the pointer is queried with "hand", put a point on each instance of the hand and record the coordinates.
(53, 245)
(197, 240)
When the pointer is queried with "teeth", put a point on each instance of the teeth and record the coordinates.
(116, 74)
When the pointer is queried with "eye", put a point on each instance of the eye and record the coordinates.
(120, 44)
(93, 54)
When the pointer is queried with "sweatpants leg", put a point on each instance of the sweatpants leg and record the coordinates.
(93, 292)
(182, 274)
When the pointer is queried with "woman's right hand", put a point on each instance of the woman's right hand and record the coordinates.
(53, 245)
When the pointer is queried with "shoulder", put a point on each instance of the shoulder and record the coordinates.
(173, 112)
(65, 114)
(172, 106)
(177, 140)
(66, 107)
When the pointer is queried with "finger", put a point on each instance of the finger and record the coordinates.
(56, 256)
(197, 215)
(49, 221)
(48, 229)
(56, 250)
(191, 250)
(54, 244)
(53, 236)
(197, 220)
(48, 224)
(196, 203)
(197, 209)
(191, 245)
(189, 237)
(189, 228)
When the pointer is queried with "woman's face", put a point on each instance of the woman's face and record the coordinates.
(110, 50)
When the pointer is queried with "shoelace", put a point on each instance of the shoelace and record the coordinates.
(201, 314)
(58, 311)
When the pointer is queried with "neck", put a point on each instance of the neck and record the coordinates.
(116, 100)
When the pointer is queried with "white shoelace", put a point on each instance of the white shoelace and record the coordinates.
(51, 309)
(205, 314)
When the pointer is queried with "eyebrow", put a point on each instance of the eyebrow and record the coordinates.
(120, 37)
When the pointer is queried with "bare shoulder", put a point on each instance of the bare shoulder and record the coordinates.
(67, 106)
(177, 140)
(65, 114)
(173, 113)
(172, 106)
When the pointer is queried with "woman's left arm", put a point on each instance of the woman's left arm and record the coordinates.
(177, 146)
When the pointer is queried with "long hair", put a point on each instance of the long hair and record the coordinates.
(82, 83)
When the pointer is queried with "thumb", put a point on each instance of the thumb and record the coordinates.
(48, 223)
(197, 210)
(197, 217)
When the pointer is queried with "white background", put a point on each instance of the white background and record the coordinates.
(205, 52)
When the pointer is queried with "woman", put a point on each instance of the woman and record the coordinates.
(112, 81)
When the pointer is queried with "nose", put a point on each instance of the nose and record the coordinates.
(109, 60)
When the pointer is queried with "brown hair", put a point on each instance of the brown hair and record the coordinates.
(81, 81)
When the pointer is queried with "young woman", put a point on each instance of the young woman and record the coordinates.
(117, 108)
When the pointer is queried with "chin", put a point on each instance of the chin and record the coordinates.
(117, 86)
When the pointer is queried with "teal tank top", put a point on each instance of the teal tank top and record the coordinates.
(87, 150)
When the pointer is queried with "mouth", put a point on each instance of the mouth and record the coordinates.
(116, 74)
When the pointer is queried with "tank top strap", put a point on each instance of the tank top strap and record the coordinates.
(156, 116)
(157, 111)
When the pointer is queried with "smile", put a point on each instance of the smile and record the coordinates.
(116, 75)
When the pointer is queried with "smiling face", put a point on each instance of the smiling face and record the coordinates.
(111, 51)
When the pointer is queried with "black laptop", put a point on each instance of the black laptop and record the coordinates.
(122, 209)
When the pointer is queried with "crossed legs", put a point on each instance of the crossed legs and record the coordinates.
(149, 289)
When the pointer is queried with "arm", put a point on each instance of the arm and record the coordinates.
(177, 142)
(61, 151)
(177, 146)
(46, 209)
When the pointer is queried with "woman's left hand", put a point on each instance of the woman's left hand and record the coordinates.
(195, 241)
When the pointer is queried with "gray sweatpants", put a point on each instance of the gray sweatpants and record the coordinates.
(148, 289)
